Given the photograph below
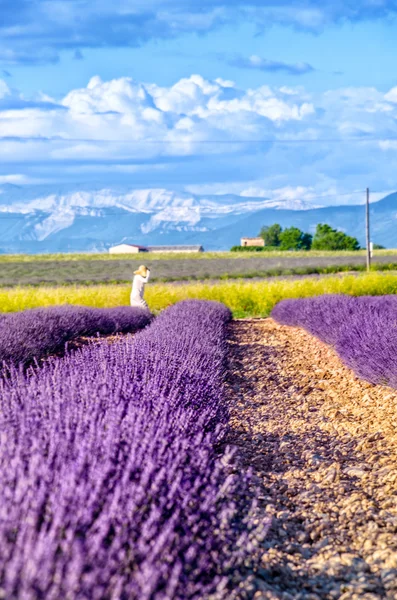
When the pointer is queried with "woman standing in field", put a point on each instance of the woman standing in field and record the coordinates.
(138, 287)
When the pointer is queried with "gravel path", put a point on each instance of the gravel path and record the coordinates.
(324, 447)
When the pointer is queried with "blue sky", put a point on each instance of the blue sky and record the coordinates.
(165, 94)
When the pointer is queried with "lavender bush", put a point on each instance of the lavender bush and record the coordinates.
(110, 483)
(363, 330)
(32, 334)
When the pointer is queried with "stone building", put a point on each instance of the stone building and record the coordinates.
(256, 241)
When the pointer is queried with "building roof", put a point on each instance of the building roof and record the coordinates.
(131, 245)
(181, 248)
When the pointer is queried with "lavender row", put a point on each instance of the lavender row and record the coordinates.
(110, 483)
(363, 330)
(32, 334)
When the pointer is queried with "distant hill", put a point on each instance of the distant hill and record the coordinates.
(82, 218)
(349, 219)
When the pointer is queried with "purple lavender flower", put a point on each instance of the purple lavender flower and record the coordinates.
(110, 482)
(363, 330)
(33, 334)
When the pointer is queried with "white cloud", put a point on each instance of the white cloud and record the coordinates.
(4, 89)
(391, 96)
(37, 31)
(363, 99)
(226, 83)
(285, 193)
(194, 97)
(123, 109)
(27, 123)
(204, 133)
(268, 65)
(17, 179)
(388, 144)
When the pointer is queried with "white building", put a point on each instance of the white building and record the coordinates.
(175, 249)
(135, 249)
(127, 249)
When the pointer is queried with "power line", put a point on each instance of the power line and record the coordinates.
(367, 234)
(205, 142)
(381, 192)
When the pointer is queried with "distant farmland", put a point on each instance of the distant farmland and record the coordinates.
(96, 269)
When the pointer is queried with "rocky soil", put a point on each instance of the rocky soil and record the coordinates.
(323, 445)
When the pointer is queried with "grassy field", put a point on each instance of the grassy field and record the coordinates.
(246, 299)
(88, 256)
(69, 270)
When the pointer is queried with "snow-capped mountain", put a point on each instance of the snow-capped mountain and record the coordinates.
(44, 213)
(63, 198)
(83, 218)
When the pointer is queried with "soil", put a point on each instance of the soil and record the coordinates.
(79, 342)
(323, 445)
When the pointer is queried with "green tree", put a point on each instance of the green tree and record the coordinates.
(293, 238)
(327, 238)
(271, 234)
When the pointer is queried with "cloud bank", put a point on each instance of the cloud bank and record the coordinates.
(36, 31)
(270, 66)
(201, 134)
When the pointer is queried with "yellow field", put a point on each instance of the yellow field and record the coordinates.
(245, 299)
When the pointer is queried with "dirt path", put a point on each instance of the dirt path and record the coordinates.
(324, 447)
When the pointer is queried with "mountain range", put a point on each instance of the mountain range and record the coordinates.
(82, 218)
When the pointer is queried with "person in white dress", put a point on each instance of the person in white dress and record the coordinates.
(141, 277)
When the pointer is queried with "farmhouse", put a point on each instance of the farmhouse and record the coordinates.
(256, 241)
(127, 249)
(175, 249)
(135, 249)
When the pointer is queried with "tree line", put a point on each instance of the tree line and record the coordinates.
(292, 238)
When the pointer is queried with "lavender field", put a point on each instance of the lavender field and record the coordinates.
(112, 483)
(69, 270)
(189, 457)
(362, 330)
(33, 334)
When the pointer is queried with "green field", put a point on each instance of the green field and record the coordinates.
(245, 299)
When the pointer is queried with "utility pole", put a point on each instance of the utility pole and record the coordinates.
(367, 232)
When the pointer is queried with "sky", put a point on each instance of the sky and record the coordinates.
(286, 99)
